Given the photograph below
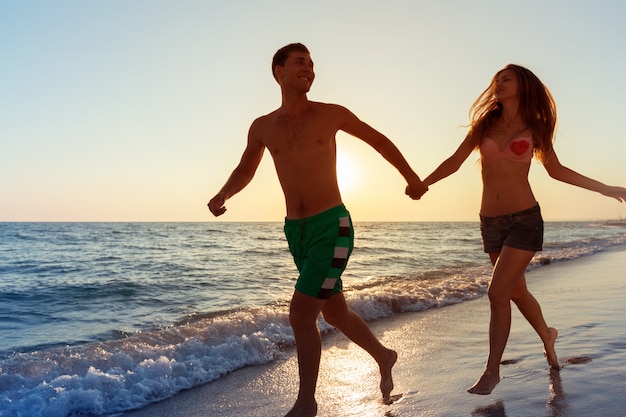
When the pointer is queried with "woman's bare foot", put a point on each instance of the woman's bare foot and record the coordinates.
(548, 349)
(485, 384)
(300, 409)
(386, 379)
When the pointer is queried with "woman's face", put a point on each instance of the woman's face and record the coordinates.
(506, 87)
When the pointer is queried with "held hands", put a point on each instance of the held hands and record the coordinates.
(416, 189)
(216, 204)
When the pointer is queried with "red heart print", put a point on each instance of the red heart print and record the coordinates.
(519, 147)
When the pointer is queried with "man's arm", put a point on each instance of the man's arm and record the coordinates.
(355, 127)
(241, 175)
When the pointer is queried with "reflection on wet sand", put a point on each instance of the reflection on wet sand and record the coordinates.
(557, 403)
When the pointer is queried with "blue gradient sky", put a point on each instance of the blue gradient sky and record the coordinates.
(138, 110)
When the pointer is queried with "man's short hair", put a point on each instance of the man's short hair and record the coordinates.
(280, 57)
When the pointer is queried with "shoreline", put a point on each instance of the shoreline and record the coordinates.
(442, 352)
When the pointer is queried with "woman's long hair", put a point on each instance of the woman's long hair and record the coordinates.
(536, 105)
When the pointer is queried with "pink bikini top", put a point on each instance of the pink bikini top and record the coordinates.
(518, 150)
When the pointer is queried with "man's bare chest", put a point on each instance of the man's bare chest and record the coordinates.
(300, 136)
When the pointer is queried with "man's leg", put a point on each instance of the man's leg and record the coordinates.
(337, 313)
(303, 314)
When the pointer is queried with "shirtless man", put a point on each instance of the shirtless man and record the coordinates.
(300, 136)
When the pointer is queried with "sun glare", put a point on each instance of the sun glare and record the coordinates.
(347, 171)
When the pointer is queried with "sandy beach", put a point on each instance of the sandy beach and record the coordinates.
(443, 351)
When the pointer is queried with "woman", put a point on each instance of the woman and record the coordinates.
(513, 120)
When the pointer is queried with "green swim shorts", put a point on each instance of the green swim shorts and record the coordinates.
(321, 246)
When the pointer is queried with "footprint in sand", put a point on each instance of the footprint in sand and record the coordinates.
(393, 399)
(579, 360)
(494, 410)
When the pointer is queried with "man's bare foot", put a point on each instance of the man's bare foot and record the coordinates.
(485, 384)
(386, 379)
(548, 349)
(300, 409)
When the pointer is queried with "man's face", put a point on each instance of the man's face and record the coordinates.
(297, 72)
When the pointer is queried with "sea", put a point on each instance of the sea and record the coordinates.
(101, 318)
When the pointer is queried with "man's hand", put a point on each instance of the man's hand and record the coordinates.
(416, 189)
(216, 205)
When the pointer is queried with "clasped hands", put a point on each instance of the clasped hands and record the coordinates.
(416, 190)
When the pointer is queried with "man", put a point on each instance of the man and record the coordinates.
(300, 136)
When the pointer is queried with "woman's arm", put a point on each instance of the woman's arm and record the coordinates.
(566, 175)
(452, 164)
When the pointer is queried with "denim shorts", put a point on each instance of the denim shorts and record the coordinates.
(520, 230)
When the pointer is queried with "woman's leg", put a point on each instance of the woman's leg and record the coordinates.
(509, 267)
(531, 310)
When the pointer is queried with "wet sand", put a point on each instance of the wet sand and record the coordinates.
(442, 352)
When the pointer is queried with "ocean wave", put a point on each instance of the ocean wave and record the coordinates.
(123, 374)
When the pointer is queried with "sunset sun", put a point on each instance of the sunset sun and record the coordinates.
(347, 171)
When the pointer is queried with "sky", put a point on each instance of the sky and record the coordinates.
(138, 110)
